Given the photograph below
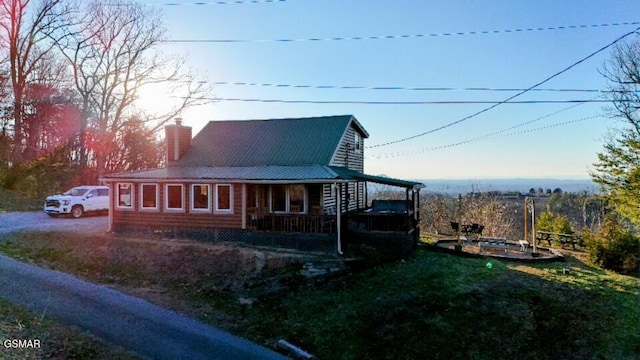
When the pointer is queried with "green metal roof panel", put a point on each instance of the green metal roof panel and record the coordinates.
(275, 142)
(348, 174)
(260, 173)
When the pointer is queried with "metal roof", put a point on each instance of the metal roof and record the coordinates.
(274, 142)
(243, 173)
(348, 174)
(313, 173)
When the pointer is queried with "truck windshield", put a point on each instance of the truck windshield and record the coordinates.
(76, 192)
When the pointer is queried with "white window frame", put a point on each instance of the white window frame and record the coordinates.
(166, 198)
(131, 196)
(142, 207)
(193, 202)
(230, 209)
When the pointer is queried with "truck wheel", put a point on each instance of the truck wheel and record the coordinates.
(77, 211)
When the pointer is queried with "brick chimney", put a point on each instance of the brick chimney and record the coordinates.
(178, 140)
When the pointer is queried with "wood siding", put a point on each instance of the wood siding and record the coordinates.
(356, 198)
(347, 155)
(328, 200)
(162, 218)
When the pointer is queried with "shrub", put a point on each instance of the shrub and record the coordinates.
(615, 247)
(548, 221)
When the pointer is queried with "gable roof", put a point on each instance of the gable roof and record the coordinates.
(274, 142)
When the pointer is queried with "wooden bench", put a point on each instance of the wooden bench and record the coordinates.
(496, 240)
(492, 246)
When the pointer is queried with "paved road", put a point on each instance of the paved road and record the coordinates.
(133, 323)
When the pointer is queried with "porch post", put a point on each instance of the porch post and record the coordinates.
(339, 217)
(244, 206)
(417, 205)
(366, 195)
(112, 199)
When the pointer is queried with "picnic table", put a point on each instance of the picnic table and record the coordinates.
(563, 239)
(468, 229)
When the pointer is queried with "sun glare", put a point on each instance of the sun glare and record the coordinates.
(155, 99)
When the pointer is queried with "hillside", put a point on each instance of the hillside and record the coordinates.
(431, 305)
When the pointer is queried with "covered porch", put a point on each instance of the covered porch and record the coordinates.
(340, 209)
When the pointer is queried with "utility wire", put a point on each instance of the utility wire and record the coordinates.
(480, 138)
(405, 36)
(486, 136)
(365, 102)
(401, 88)
(511, 97)
(236, 2)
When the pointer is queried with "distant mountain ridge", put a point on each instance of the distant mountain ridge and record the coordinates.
(522, 185)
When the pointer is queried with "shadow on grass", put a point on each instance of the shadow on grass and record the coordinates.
(444, 307)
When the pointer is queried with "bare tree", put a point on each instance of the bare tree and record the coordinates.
(114, 52)
(26, 28)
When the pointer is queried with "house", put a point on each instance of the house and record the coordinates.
(295, 183)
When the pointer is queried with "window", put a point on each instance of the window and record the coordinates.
(200, 197)
(124, 192)
(288, 198)
(174, 197)
(223, 198)
(103, 192)
(149, 196)
(356, 142)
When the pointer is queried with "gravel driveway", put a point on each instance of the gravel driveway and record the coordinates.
(39, 221)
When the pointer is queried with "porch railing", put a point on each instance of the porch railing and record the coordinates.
(293, 223)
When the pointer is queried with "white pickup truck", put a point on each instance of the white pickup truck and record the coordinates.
(77, 201)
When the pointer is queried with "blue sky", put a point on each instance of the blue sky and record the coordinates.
(516, 59)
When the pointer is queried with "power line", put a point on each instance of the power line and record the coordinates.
(495, 133)
(405, 36)
(400, 88)
(480, 138)
(366, 102)
(511, 97)
(236, 2)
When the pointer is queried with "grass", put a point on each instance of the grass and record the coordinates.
(57, 341)
(431, 305)
(12, 201)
